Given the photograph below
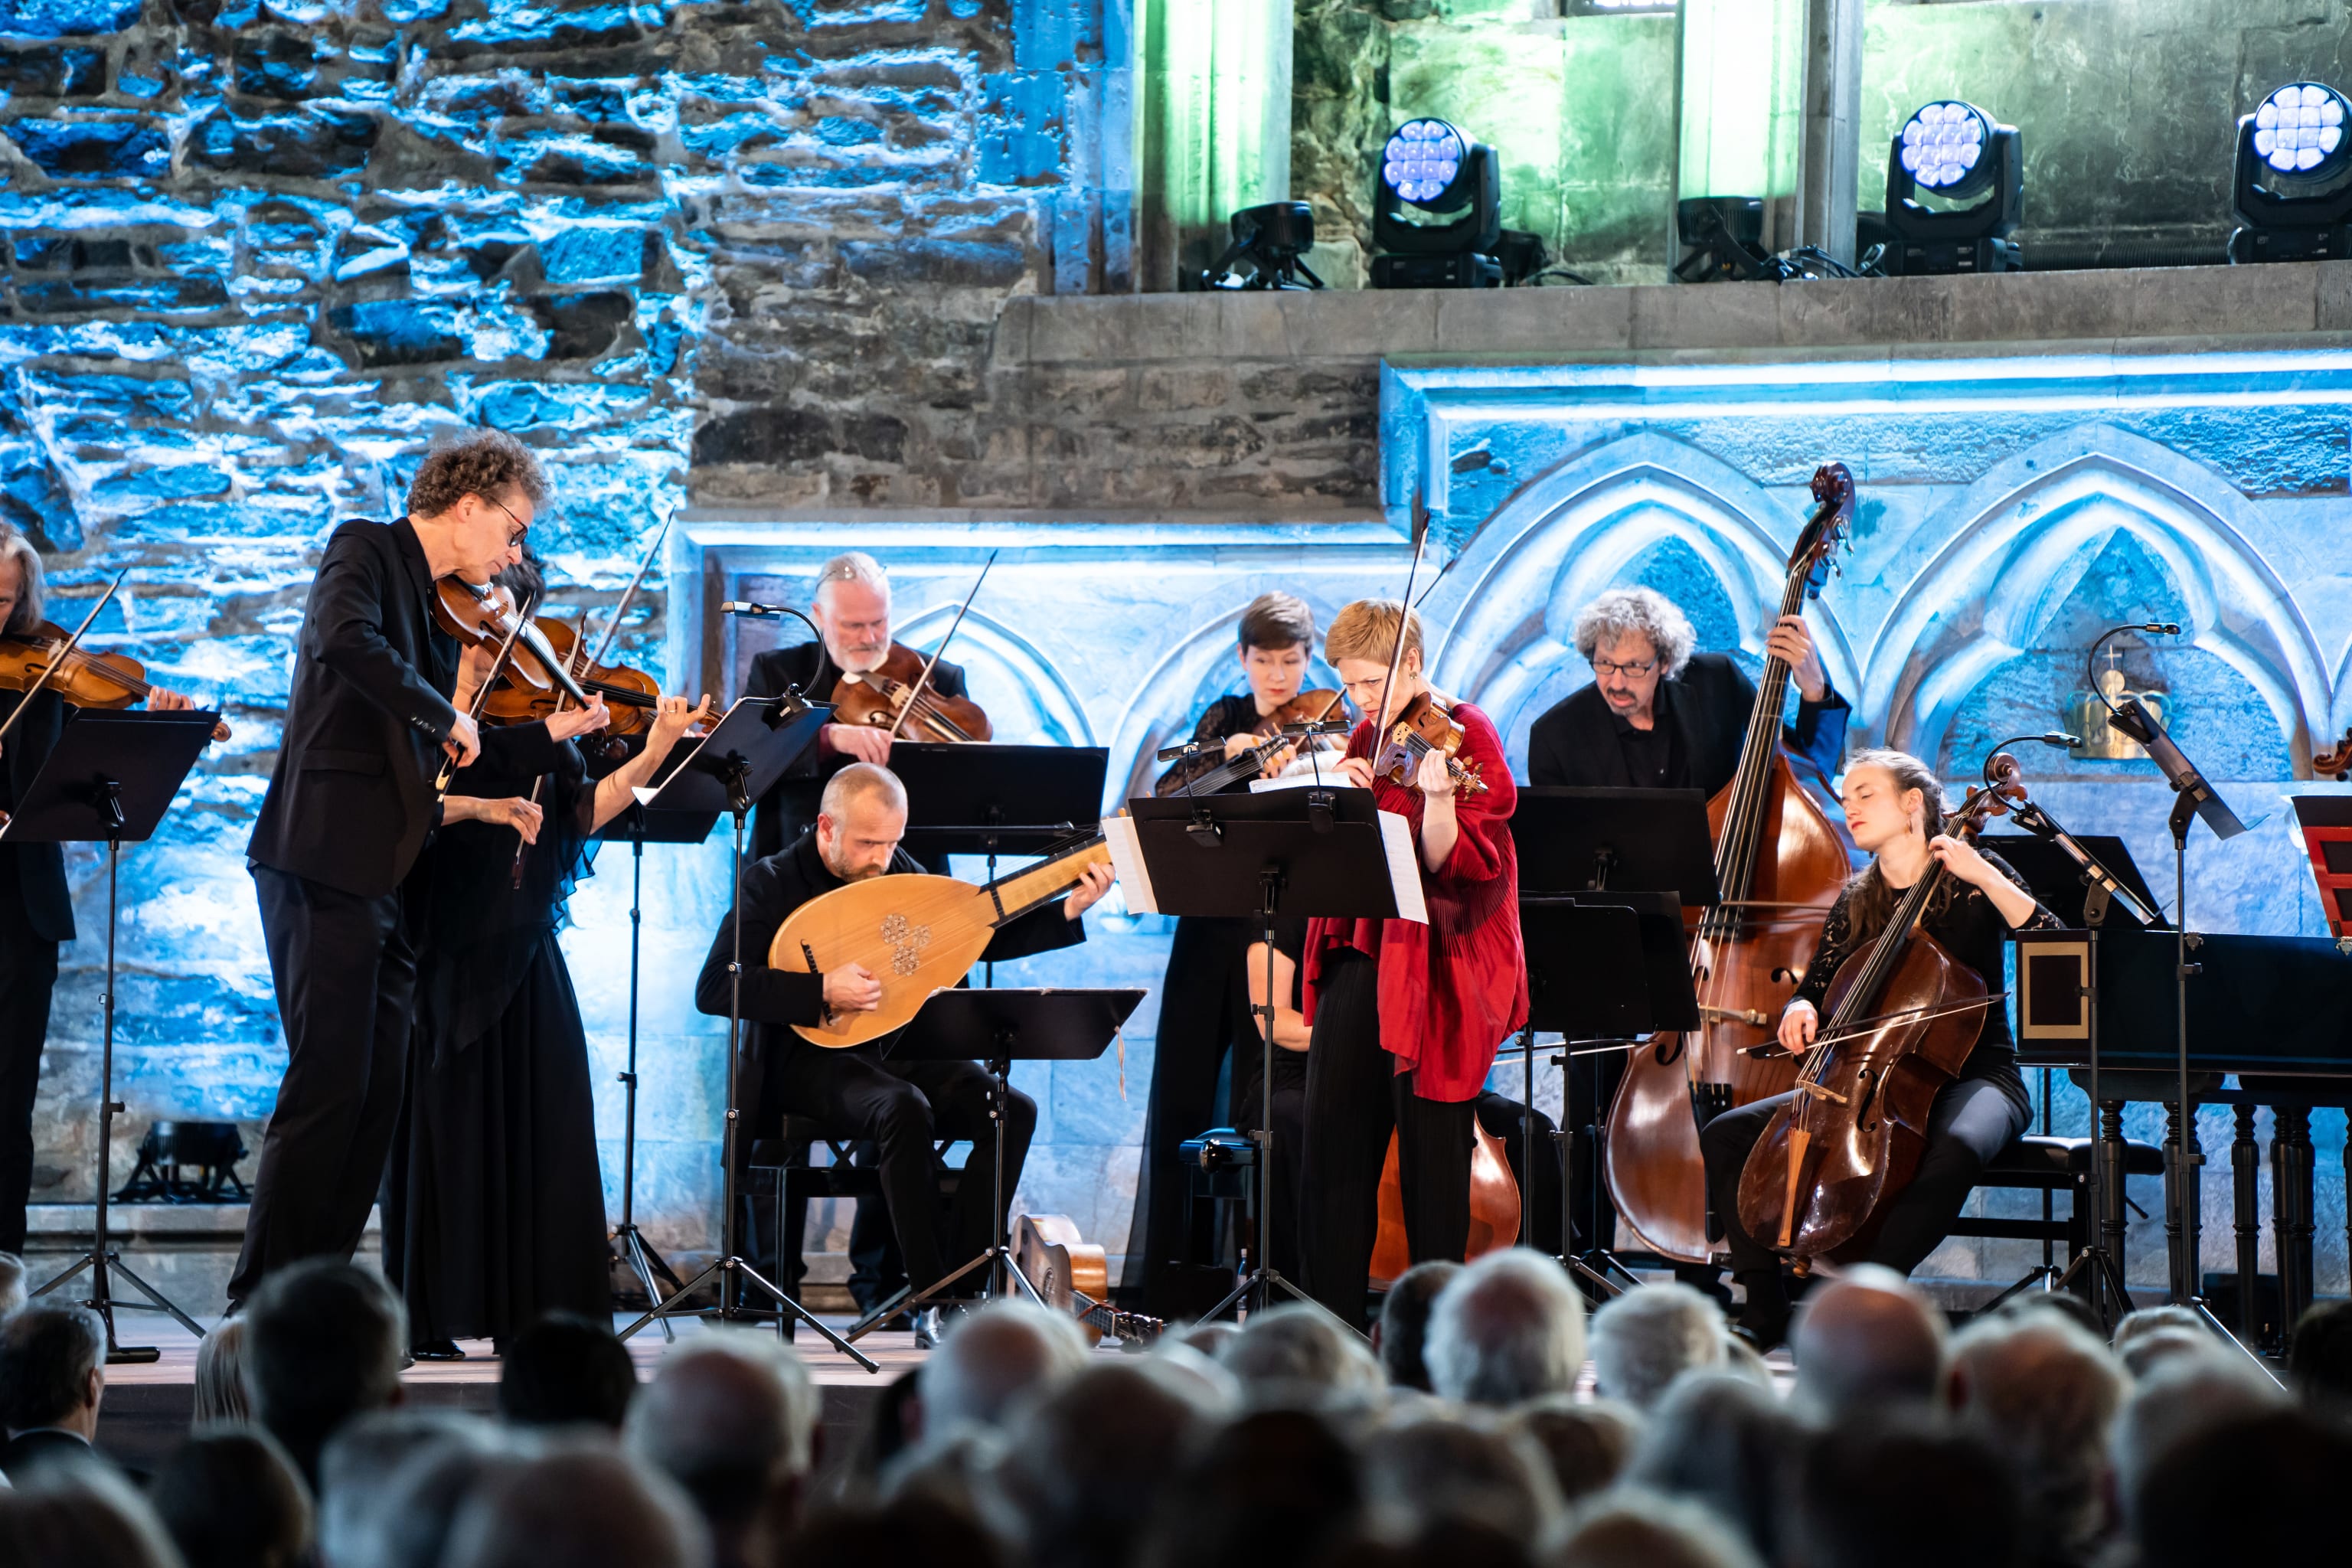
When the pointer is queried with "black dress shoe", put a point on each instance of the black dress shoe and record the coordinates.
(934, 1323)
(437, 1350)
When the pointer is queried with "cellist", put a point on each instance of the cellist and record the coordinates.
(1894, 807)
(1406, 1018)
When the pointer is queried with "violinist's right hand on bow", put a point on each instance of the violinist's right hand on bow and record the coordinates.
(1799, 1024)
(1357, 771)
(465, 741)
(860, 743)
(850, 989)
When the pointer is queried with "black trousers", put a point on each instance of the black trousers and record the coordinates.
(345, 975)
(28, 973)
(1972, 1119)
(1203, 1009)
(1355, 1099)
(903, 1109)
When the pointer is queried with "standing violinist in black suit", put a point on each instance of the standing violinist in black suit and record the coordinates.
(36, 908)
(1659, 716)
(368, 720)
(852, 609)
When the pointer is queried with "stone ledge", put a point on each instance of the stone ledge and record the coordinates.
(2175, 306)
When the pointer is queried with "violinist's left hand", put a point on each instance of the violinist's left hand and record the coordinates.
(1959, 857)
(1093, 883)
(578, 721)
(1434, 778)
(163, 700)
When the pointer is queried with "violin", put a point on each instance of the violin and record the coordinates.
(630, 694)
(881, 697)
(85, 679)
(1898, 1024)
(484, 615)
(1425, 725)
(1206, 773)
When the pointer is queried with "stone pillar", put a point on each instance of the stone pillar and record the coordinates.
(1212, 126)
(1741, 99)
(1830, 137)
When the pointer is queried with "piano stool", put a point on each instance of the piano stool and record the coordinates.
(2052, 1166)
(779, 1172)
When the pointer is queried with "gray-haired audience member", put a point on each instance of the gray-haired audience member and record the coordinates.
(1004, 1352)
(2179, 1399)
(220, 1377)
(1588, 1444)
(1865, 1343)
(390, 1480)
(2148, 1336)
(1299, 1347)
(731, 1419)
(81, 1517)
(2255, 1489)
(231, 1500)
(12, 1283)
(580, 1505)
(1085, 1466)
(1635, 1529)
(322, 1344)
(1400, 1336)
(1508, 1328)
(1873, 1491)
(2043, 1394)
(1651, 1335)
(1464, 1468)
(1719, 1440)
(52, 1380)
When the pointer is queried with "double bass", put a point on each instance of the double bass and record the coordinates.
(1897, 1025)
(1779, 862)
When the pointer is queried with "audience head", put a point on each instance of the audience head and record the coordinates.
(731, 1419)
(1459, 1468)
(1297, 1348)
(2179, 1399)
(1651, 1335)
(2321, 1356)
(1211, 1339)
(84, 1517)
(1586, 1444)
(1085, 1466)
(231, 1498)
(52, 1369)
(1866, 1341)
(1719, 1440)
(1275, 1486)
(1633, 1529)
(220, 1377)
(12, 1269)
(2150, 1336)
(583, 1505)
(913, 1531)
(1003, 1353)
(566, 1370)
(1401, 1337)
(2264, 1488)
(1870, 1490)
(390, 1482)
(2043, 1393)
(1508, 1328)
(322, 1344)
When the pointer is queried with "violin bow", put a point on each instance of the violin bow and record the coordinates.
(1404, 616)
(63, 654)
(923, 681)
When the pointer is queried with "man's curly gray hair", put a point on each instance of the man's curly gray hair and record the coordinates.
(1623, 612)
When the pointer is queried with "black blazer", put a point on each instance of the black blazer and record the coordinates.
(1709, 704)
(40, 868)
(773, 888)
(27, 1453)
(350, 798)
(788, 809)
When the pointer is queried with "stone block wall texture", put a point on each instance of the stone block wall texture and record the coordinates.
(259, 257)
(2128, 111)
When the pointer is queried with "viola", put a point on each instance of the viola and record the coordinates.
(630, 694)
(1779, 861)
(880, 696)
(1423, 726)
(1207, 773)
(1898, 1024)
(484, 615)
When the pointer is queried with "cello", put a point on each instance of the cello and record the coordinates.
(1898, 1024)
(1779, 863)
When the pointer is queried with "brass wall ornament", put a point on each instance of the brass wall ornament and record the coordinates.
(2086, 715)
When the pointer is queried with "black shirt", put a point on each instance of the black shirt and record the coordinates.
(1654, 756)
(1226, 717)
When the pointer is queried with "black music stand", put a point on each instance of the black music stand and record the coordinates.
(1285, 853)
(110, 779)
(2184, 1159)
(735, 764)
(1570, 839)
(998, 1029)
(993, 800)
(640, 828)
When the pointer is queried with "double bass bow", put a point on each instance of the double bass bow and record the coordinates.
(1779, 863)
(1899, 1022)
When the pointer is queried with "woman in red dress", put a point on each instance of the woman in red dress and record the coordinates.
(1406, 1017)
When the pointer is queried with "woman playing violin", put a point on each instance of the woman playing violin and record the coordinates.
(1893, 804)
(1406, 1018)
(494, 1212)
